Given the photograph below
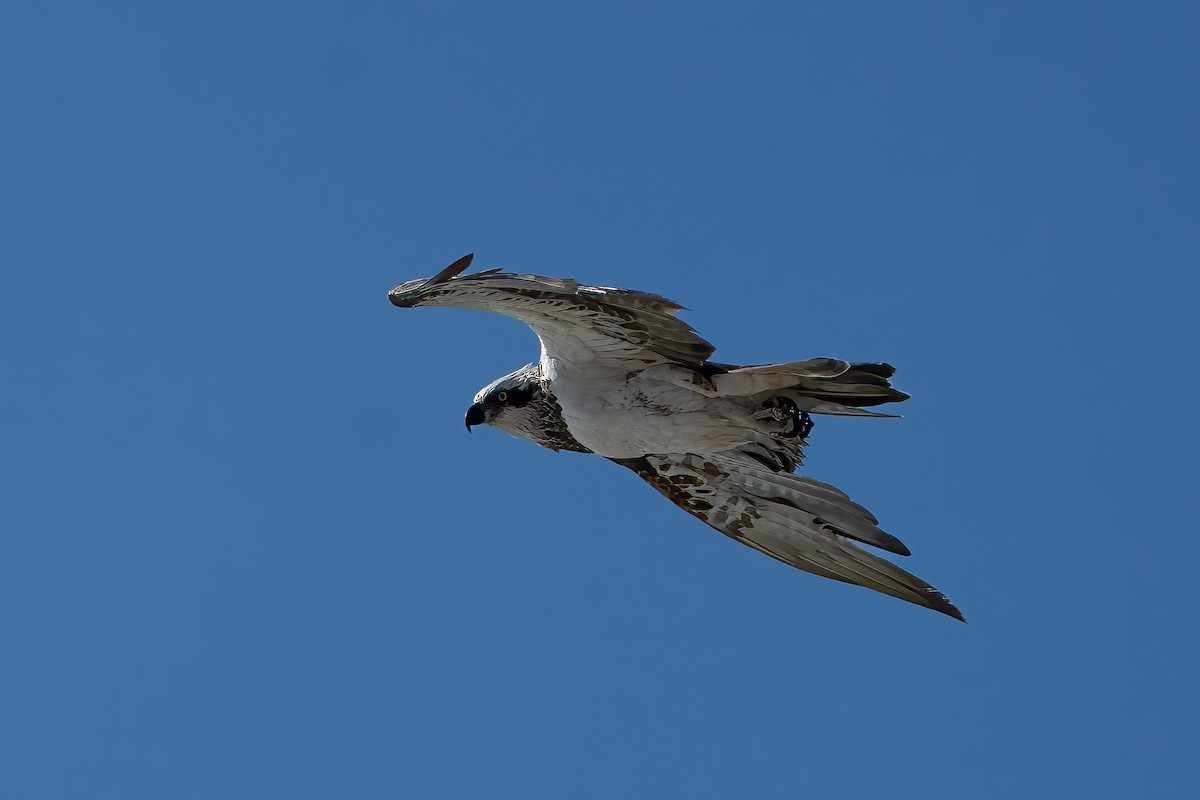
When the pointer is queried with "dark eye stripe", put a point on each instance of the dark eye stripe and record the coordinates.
(513, 397)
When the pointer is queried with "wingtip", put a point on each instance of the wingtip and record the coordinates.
(407, 295)
(942, 604)
(452, 270)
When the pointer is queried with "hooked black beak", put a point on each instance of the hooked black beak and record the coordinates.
(474, 416)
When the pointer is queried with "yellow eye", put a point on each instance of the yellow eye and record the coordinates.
(502, 396)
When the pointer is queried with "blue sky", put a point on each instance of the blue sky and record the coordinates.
(249, 551)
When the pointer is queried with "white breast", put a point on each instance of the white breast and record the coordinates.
(621, 416)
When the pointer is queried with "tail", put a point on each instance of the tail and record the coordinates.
(819, 385)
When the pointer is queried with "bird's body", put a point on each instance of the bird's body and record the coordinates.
(621, 377)
(631, 415)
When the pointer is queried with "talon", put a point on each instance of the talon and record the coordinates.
(804, 425)
(785, 408)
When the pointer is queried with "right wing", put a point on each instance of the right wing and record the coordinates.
(801, 522)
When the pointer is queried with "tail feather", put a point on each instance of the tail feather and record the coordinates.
(876, 368)
(819, 385)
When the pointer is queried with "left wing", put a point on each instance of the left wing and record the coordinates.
(801, 522)
(581, 325)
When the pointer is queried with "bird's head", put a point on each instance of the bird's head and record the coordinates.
(513, 404)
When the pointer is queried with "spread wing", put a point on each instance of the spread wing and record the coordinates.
(593, 326)
(799, 521)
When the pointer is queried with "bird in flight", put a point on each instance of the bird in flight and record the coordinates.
(622, 377)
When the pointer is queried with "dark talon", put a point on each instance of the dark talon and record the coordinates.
(802, 423)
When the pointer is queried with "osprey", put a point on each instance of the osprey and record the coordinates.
(620, 376)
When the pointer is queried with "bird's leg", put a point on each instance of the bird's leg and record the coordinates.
(783, 408)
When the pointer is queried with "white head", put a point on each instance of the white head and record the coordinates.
(511, 404)
(520, 405)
